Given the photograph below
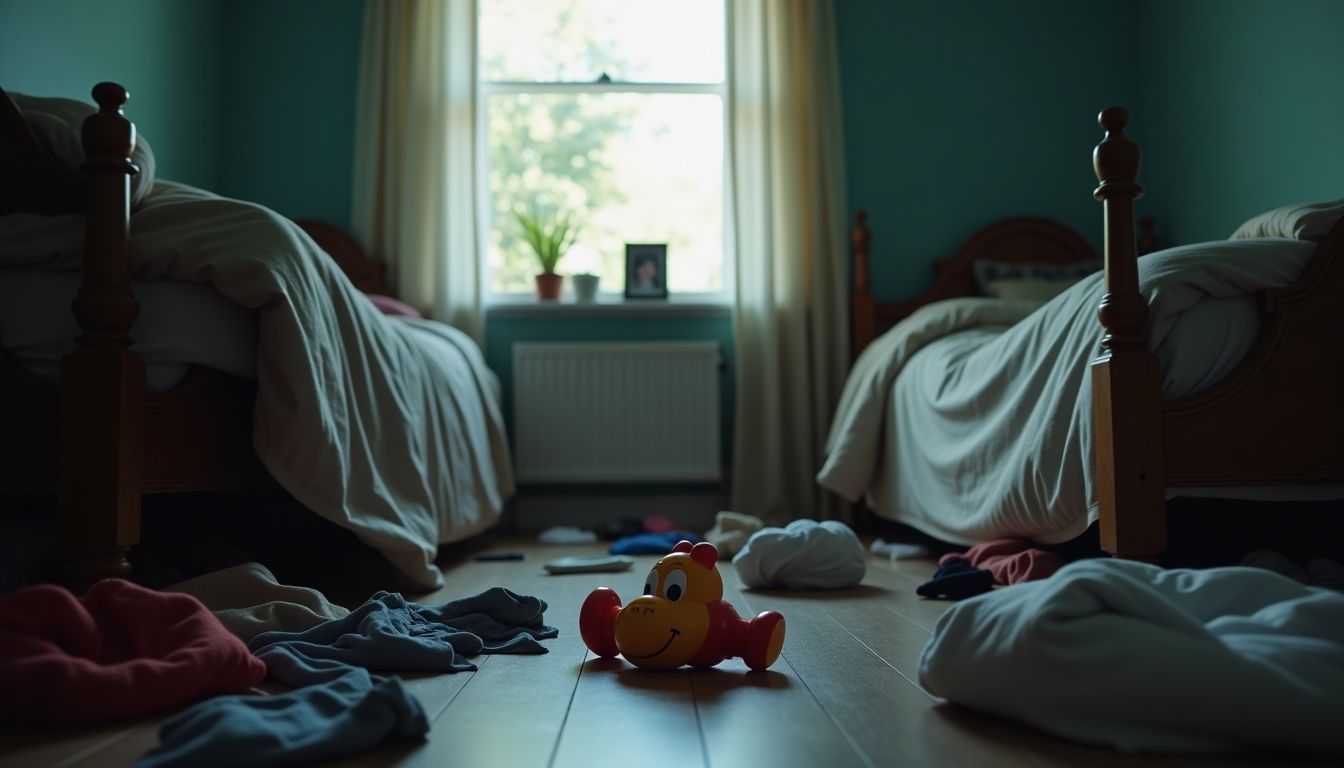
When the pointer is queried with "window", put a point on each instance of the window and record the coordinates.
(610, 112)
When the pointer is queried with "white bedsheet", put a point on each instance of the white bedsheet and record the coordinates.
(180, 325)
(387, 427)
(995, 428)
(1134, 657)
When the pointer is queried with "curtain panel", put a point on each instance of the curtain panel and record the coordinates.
(417, 167)
(787, 224)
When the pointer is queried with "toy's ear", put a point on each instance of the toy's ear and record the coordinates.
(682, 546)
(705, 554)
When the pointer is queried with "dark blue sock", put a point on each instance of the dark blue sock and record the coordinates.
(651, 543)
(956, 579)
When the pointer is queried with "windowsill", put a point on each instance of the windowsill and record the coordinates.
(607, 306)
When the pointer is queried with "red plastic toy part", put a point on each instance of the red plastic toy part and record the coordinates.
(680, 619)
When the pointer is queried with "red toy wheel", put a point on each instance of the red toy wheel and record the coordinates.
(597, 622)
(765, 639)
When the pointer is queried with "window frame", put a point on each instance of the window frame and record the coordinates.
(485, 202)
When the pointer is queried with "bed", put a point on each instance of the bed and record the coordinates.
(388, 426)
(1214, 371)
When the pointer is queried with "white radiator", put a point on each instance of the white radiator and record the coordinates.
(616, 412)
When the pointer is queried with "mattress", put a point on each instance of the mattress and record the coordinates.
(181, 324)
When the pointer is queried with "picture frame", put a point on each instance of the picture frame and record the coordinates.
(646, 270)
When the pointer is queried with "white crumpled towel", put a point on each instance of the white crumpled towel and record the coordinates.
(804, 554)
(1131, 656)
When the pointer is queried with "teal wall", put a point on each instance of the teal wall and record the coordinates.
(961, 112)
(957, 113)
(1249, 99)
(253, 99)
(166, 53)
(505, 328)
(290, 68)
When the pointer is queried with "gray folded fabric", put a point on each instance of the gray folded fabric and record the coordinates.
(389, 633)
(248, 600)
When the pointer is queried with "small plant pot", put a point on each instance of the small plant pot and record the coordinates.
(585, 288)
(548, 286)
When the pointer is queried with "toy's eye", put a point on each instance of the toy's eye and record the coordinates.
(651, 582)
(675, 585)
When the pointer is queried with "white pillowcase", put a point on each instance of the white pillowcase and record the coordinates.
(1029, 281)
(57, 124)
(1304, 221)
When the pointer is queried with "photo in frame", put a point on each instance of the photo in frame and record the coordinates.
(646, 270)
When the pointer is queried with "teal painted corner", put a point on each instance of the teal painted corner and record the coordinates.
(166, 52)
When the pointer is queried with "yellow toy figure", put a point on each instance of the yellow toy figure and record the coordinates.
(680, 619)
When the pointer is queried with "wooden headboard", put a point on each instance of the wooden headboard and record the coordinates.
(1017, 239)
(368, 274)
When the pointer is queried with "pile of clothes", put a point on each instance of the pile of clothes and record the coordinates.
(123, 651)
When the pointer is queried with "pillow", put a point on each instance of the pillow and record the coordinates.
(1304, 221)
(1032, 281)
(390, 306)
(33, 180)
(57, 124)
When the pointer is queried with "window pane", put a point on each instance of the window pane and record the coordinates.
(646, 41)
(629, 168)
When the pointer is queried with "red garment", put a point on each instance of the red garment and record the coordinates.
(1012, 561)
(121, 651)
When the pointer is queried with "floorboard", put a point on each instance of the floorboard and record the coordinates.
(845, 691)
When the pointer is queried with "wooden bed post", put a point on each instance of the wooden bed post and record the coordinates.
(863, 310)
(102, 384)
(1126, 393)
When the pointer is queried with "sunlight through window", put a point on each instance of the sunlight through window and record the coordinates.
(610, 112)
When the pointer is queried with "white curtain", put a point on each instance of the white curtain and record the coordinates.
(787, 222)
(416, 162)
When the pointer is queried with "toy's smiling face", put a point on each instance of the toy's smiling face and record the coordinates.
(666, 626)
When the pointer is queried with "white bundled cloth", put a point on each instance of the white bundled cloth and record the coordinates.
(805, 554)
(1141, 659)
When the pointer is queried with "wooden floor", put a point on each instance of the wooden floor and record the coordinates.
(844, 692)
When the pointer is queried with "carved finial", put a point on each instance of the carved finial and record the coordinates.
(1114, 120)
(860, 237)
(110, 96)
(1116, 158)
(107, 133)
(860, 240)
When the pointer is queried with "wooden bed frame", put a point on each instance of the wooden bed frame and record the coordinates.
(1277, 420)
(115, 442)
(99, 439)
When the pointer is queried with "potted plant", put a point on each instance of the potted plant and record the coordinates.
(549, 236)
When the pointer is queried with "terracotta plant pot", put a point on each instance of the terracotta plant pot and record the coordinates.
(548, 286)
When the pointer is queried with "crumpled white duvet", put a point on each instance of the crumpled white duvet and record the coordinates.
(994, 434)
(1128, 655)
(388, 427)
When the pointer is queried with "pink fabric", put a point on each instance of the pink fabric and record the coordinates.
(390, 306)
(1011, 561)
(660, 524)
(120, 651)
